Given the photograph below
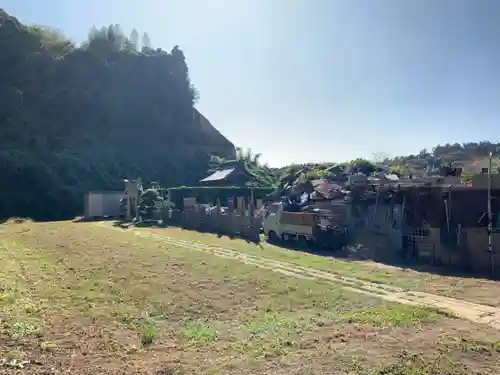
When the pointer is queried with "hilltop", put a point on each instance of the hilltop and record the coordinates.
(471, 156)
(77, 118)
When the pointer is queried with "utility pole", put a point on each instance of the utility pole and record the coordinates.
(490, 217)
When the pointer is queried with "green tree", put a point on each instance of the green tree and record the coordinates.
(80, 118)
(146, 42)
(134, 39)
(262, 174)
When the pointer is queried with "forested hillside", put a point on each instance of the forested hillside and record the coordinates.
(78, 118)
(471, 156)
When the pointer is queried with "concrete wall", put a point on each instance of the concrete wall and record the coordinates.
(102, 203)
(477, 255)
(377, 229)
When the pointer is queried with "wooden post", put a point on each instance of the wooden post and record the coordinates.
(240, 205)
(128, 215)
(249, 222)
(136, 191)
(252, 199)
(217, 216)
(169, 204)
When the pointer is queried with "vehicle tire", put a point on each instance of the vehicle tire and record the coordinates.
(311, 244)
(302, 242)
(272, 236)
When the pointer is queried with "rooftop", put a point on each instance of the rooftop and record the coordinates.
(219, 175)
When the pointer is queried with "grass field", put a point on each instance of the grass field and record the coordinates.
(473, 289)
(85, 299)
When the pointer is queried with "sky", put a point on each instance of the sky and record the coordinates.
(319, 80)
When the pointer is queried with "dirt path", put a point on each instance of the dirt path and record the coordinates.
(466, 310)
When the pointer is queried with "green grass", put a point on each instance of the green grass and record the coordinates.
(148, 333)
(360, 270)
(471, 289)
(415, 364)
(121, 300)
(200, 334)
(387, 317)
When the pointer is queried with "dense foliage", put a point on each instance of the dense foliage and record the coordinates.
(298, 173)
(79, 118)
(259, 174)
(471, 156)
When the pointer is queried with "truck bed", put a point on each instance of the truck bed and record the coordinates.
(297, 218)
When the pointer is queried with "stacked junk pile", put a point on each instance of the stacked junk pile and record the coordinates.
(314, 208)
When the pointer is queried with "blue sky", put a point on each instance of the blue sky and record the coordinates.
(320, 80)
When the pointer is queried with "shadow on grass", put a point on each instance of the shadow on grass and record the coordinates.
(393, 258)
(94, 219)
(159, 224)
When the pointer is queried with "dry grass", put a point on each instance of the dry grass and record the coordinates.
(473, 289)
(84, 299)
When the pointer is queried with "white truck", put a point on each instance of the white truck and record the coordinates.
(322, 227)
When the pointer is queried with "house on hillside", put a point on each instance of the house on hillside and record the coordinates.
(228, 174)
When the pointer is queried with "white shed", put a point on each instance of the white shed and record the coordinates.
(102, 204)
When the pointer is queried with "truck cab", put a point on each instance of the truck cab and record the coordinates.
(281, 225)
(320, 228)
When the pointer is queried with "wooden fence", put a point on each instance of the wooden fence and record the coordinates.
(234, 224)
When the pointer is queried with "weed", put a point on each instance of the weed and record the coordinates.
(148, 334)
(14, 353)
(415, 364)
(479, 346)
(394, 316)
(21, 329)
(200, 334)
(270, 324)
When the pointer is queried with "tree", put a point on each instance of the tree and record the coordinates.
(362, 165)
(380, 156)
(248, 156)
(79, 118)
(93, 32)
(134, 39)
(262, 174)
(146, 41)
(111, 34)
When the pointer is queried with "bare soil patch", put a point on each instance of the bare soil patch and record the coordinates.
(83, 299)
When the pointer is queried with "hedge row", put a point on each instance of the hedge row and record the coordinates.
(209, 194)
